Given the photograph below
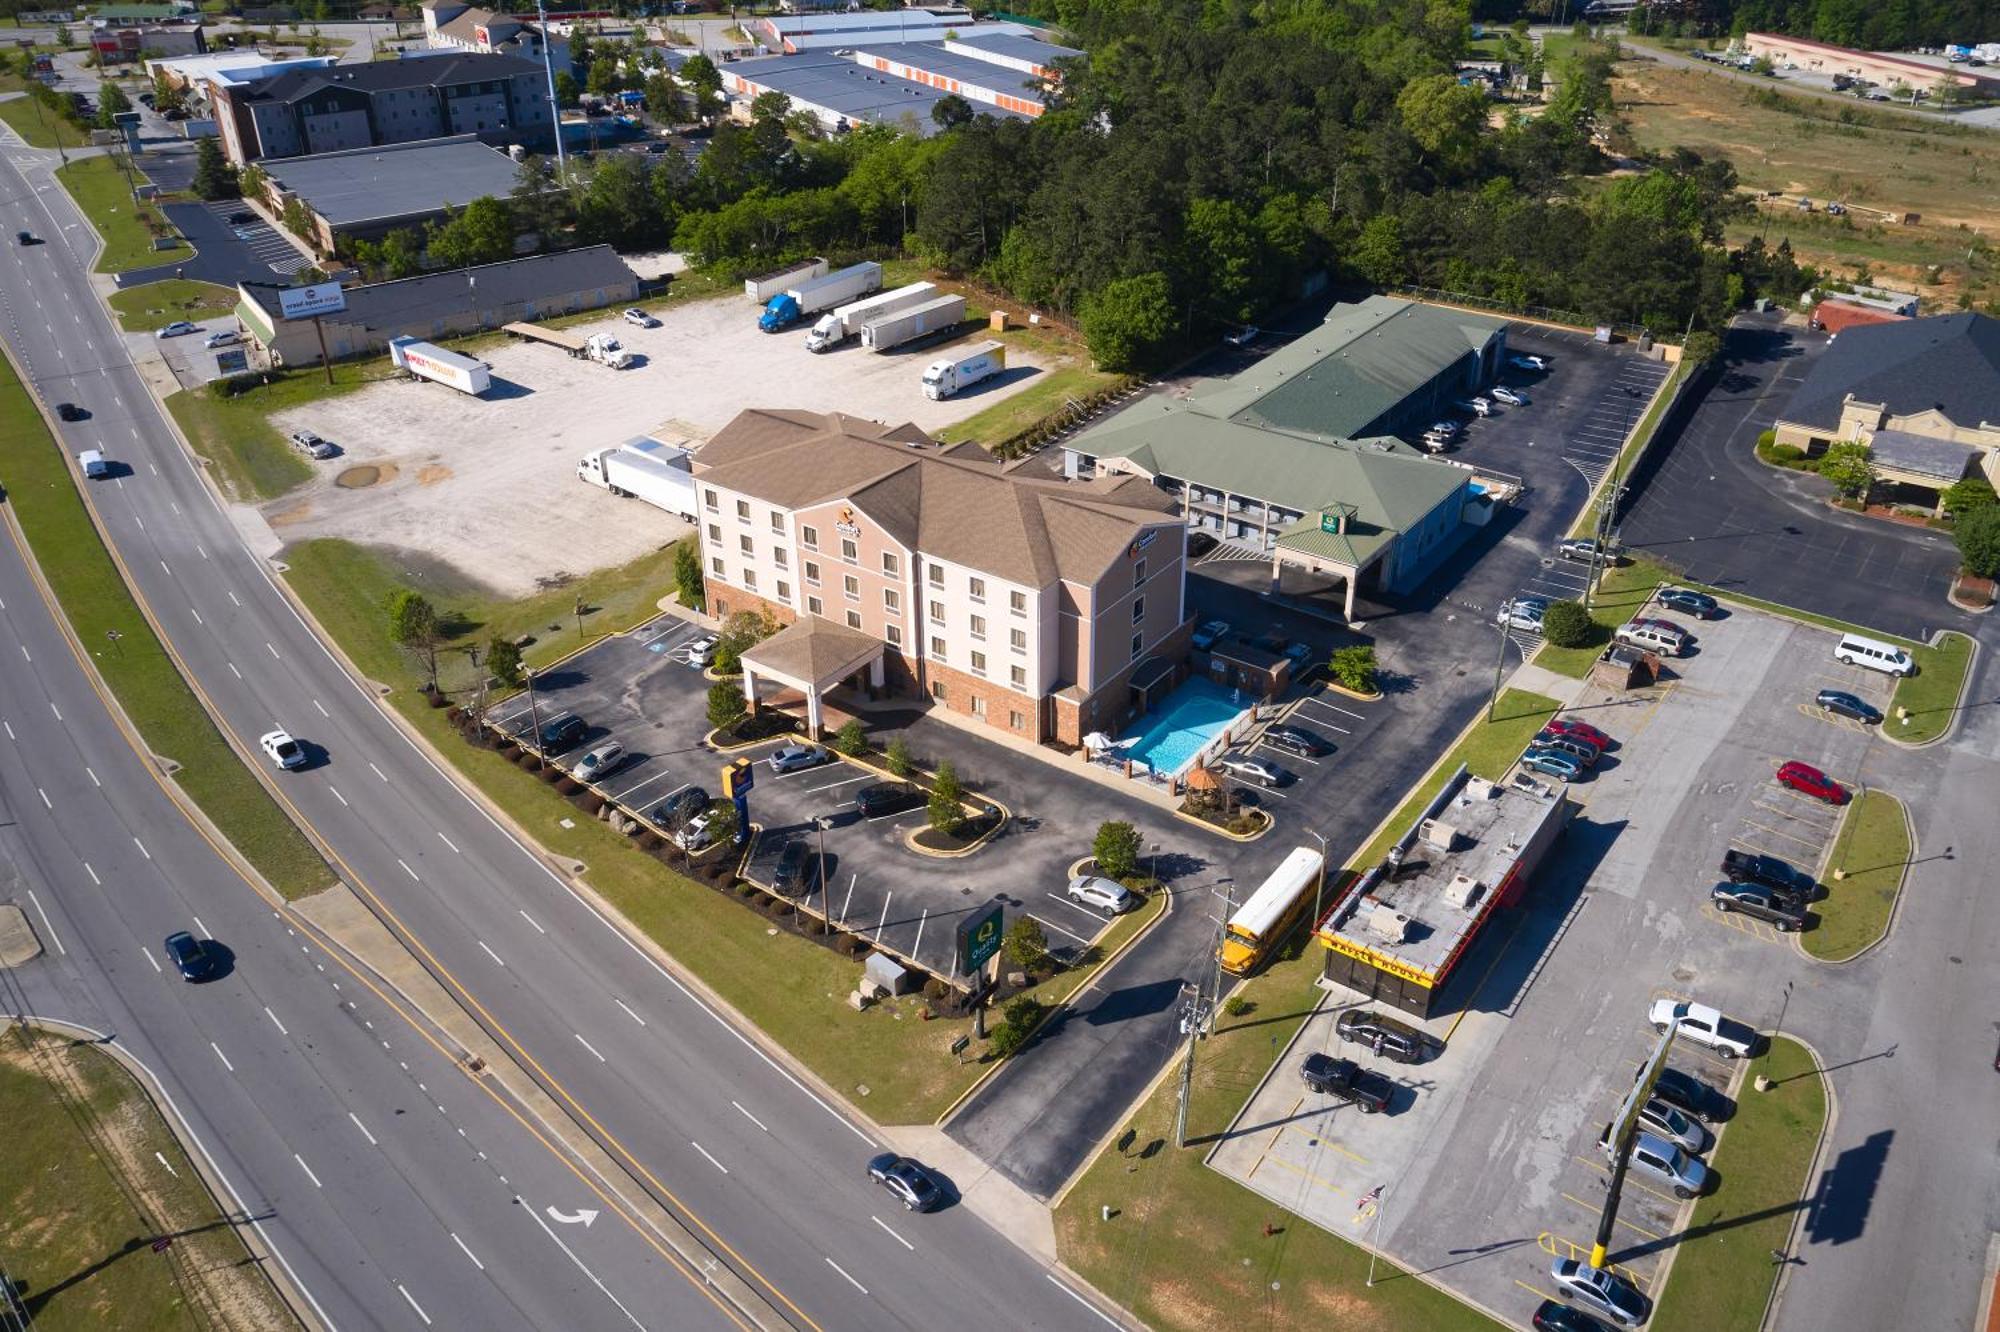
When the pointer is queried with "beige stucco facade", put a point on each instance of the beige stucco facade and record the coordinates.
(1860, 421)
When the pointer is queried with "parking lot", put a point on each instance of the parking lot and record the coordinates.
(489, 485)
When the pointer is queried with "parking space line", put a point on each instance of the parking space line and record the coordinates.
(1548, 1240)
(1057, 928)
(1743, 924)
(1630, 1182)
(1300, 1171)
(845, 781)
(648, 781)
(1355, 1157)
(1596, 1210)
(1775, 832)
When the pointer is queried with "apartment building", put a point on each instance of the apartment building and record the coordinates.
(903, 566)
(450, 25)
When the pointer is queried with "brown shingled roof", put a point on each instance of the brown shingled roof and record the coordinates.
(948, 501)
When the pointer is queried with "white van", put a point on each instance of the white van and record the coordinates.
(1876, 655)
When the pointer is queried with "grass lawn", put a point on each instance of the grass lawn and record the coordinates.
(1044, 394)
(1931, 695)
(81, 1198)
(157, 304)
(1621, 592)
(1722, 1276)
(43, 130)
(95, 599)
(1186, 1247)
(1873, 850)
(251, 457)
(898, 1068)
(99, 188)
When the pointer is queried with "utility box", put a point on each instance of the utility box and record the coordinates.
(887, 972)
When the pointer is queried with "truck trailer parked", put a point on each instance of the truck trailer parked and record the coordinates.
(657, 473)
(427, 361)
(599, 347)
(762, 289)
(949, 376)
(796, 302)
(837, 326)
(896, 329)
(554, 337)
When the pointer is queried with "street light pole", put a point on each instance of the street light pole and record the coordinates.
(1319, 889)
(1381, 1208)
(535, 717)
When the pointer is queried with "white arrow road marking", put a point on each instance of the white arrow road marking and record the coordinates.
(583, 1216)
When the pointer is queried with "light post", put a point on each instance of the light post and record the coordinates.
(114, 636)
(825, 890)
(535, 717)
(1319, 889)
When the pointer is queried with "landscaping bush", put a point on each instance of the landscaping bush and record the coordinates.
(947, 814)
(1978, 538)
(1017, 1022)
(595, 805)
(1236, 1006)
(898, 758)
(1116, 849)
(1025, 945)
(725, 704)
(935, 989)
(1846, 464)
(1965, 496)
(1566, 624)
(850, 739)
(568, 786)
(1354, 667)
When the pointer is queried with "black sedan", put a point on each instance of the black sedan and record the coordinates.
(1553, 1317)
(1386, 1036)
(906, 1178)
(1760, 903)
(1689, 602)
(1298, 741)
(1689, 1094)
(192, 957)
(1843, 704)
(794, 873)
(69, 411)
(886, 798)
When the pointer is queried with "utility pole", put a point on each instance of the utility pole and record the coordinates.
(1199, 1011)
(1500, 665)
(535, 717)
(549, 73)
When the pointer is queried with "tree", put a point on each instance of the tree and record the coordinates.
(1017, 1023)
(1116, 849)
(1354, 666)
(1962, 497)
(1378, 253)
(214, 178)
(1566, 624)
(1126, 322)
(566, 89)
(617, 207)
(688, 586)
(1443, 116)
(725, 704)
(850, 739)
(662, 95)
(480, 233)
(700, 76)
(111, 100)
(413, 626)
(297, 220)
(950, 111)
(251, 180)
(1025, 945)
(1845, 464)
(947, 812)
(603, 78)
(399, 254)
(771, 105)
(1700, 348)
(898, 759)
(503, 660)
(1978, 538)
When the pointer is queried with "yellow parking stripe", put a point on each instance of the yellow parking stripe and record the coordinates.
(1616, 1220)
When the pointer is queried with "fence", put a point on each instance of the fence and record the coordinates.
(1572, 318)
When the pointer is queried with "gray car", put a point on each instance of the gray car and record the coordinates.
(1664, 1163)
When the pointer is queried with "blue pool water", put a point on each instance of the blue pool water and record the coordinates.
(1184, 721)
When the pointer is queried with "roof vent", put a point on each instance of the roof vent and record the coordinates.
(1462, 891)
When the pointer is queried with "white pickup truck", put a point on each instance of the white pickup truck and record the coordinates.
(1704, 1026)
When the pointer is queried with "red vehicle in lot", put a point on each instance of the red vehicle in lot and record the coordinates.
(1580, 730)
(1808, 780)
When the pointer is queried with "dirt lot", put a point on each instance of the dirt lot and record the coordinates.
(489, 485)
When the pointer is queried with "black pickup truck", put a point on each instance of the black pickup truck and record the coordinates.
(1347, 1081)
(1782, 879)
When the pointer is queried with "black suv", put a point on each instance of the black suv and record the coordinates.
(885, 798)
(679, 807)
(1386, 1036)
(1689, 1094)
(1296, 740)
(795, 869)
(1347, 1081)
(562, 733)
(1792, 884)
(1761, 902)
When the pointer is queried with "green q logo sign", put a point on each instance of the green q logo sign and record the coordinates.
(978, 938)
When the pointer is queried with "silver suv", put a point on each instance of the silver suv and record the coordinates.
(311, 445)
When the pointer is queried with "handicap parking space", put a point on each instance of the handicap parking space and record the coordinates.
(259, 237)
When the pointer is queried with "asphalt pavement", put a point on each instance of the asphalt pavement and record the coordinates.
(724, 1134)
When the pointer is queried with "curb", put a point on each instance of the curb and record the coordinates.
(1895, 907)
(1355, 694)
(958, 1103)
(1270, 822)
(1784, 1280)
(1957, 705)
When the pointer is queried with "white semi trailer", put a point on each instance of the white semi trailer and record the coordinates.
(837, 326)
(762, 289)
(657, 473)
(907, 325)
(428, 361)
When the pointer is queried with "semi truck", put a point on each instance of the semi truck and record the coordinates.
(904, 326)
(822, 293)
(657, 473)
(762, 289)
(837, 326)
(427, 361)
(599, 347)
(607, 350)
(946, 377)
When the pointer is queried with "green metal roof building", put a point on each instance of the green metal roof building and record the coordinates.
(1293, 457)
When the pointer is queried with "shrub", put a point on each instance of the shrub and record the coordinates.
(935, 989)
(899, 760)
(1355, 668)
(1790, 455)
(850, 739)
(1978, 538)
(1846, 465)
(1236, 1005)
(1567, 624)
(1964, 496)
(1116, 849)
(568, 786)
(1026, 945)
(725, 704)
(947, 813)
(1017, 1022)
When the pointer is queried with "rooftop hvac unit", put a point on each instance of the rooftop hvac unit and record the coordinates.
(1462, 891)
(1478, 788)
(1437, 833)
(1383, 921)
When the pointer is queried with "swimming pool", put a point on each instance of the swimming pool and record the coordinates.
(1186, 719)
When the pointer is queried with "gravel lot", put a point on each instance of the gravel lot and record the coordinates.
(489, 485)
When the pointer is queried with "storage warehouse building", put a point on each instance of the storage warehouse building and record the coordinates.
(365, 193)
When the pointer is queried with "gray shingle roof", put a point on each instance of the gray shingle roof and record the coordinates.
(395, 180)
(1947, 362)
(1921, 455)
(383, 75)
(418, 301)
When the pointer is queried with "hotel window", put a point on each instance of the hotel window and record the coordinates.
(1138, 610)
(849, 551)
(892, 601)
(780, 557)
(851, 585)
(715, 533)
(749, 546)
(893, 634)
(937, 612)
(979, 627)
(809, 537)
(937, 575)
(708, 500)
(937, 648)
(743, 510)
(715, 566)
(978, 707)
(976, 588)
(1138, 573)
(784, 592)
(1017, 602)
(777, 522)
(1138, 642)
(1017, 639)
(890, 564)
(1016, 720)
(814, 607)
(854, 619)
(1019, 676)
(750, 579)
(812, 572)
(979, 663)
(937, 690)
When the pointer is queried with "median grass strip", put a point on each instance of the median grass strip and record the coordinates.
(897, 1067)
(1723, 1273)
(157, 304)
(104, 194)
(1931, 695)
(81, 1199)
(39, 126)
(96, 602)
(1872, 853)
(1186, 1248)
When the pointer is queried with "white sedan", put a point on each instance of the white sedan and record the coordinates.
(178, 328)
(1510, 397)
(284, 751)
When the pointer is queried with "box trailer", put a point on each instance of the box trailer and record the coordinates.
(897, 329)
(795, 303)
(762, 289)
(946, 377)
(660, 474)
(836, 326)
(427, 361)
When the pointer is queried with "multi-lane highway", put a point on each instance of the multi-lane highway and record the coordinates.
(765, 1171)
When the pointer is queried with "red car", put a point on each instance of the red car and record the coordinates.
(1583, 731)
(1808, 780)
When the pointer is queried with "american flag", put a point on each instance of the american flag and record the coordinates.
(1373, 1195)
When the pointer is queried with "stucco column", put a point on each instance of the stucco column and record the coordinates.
(1277, 566)
(749, 689)
(1353, 577)
(877, 673)
(812, 710)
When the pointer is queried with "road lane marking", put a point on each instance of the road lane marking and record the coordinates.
(24, 652)
(747, 1115)
(203, 928)
(893, 1235)
(142, 848)
(93, 874)
(378, 772)
(711, 1160)
(1080, 1300)
(48, 925)
(467, 1252)
(200, 550)
(273, 651)
(363, 1127)
(602, 1289)
(850, 1280)
(531, 920)
(233, 601)
(58, 711)
(336, 793)
(407, 870)
(233, 671)
(588, 1046)
(197, 617)
(274, 1021)
(448, 842)
(169, 572)
(232, 1068)
(322, 711)
(93, 777)
(10, 731)
(46, 804)
(147, 953)
(628, 1011)
(399, 1286)
(488, 951)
